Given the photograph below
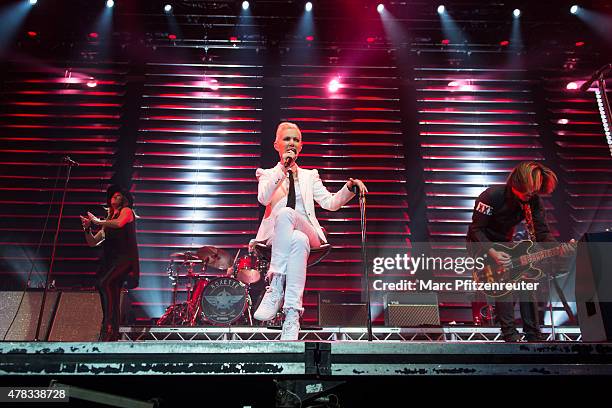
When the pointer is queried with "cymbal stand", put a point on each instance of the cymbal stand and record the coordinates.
(193, 305)
(174, 281)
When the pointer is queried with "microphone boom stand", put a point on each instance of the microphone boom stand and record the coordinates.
(69, 164)
(364, 256)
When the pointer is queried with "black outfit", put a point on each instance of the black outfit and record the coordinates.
(497, 212)
(119, 263)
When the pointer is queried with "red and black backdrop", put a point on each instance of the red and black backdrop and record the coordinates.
(181, 107)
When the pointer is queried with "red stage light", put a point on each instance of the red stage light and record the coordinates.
(234, 39)
(579, 43)
(504, 43)
(93, 35)
(370, 39)
(32, 34)
(310, 38)
(445, 41)
(172, 36)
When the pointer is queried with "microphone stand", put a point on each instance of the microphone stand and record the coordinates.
(604, 106)
(69, 163)
(602, 99)
(364, 256)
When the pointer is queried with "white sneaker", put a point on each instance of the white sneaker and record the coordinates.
(272, 300)
(291, 326)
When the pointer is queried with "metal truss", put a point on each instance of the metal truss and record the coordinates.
(382, 334)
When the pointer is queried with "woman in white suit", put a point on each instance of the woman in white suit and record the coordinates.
(291, 227)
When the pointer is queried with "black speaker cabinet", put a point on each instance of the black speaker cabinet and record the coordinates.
(411, 309)
(25, 309)
(594, 286)
(342, 309)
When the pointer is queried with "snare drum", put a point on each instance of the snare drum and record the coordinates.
(224, 300)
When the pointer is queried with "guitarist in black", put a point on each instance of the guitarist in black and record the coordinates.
(496, 213)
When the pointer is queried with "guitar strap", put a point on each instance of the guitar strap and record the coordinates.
(529, 221)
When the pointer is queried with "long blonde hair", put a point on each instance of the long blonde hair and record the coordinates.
(532, 176)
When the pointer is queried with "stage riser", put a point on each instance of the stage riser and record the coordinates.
(279, 359)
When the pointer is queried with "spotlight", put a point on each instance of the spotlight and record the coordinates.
(110, 3)
(32, 34)
(517, 13)
(308, 6)
(571, 85)
(167, 8)
(91, 83)
(310, 38)
(245, 5)
(333, 86)
(504, 43)
(579, 43)
(563, 121)
(574, 9)
(210, 83)
(441, 9)
(172, 36)
(93, 35)
(380, 8)
(32, 2)
(445, 41)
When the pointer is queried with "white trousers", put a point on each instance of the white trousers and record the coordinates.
(291, 241)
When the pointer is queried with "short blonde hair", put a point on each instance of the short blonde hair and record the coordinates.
(287, 125)
(532, 176)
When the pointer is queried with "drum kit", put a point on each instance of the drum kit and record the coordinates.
(216, 298)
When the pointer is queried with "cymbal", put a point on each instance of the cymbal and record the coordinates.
(217, 258)
(184, 256)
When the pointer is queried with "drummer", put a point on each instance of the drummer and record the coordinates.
(290, 226)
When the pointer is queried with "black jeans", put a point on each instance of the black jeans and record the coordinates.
(110, 286)
(504, 307)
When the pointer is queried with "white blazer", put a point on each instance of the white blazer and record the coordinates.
(272, 193)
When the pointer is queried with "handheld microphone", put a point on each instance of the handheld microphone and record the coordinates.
(288, 160)
(70, 162)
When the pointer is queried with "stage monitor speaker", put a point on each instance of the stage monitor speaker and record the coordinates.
(342, 309)
(411, 309)
(78, 317)
(24, 325)
(594, 286)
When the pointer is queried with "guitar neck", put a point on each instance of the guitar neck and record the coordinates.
(540, 255)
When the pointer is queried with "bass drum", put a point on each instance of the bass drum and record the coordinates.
(224, 300)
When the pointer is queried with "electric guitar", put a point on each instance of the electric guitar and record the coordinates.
(523, 257)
